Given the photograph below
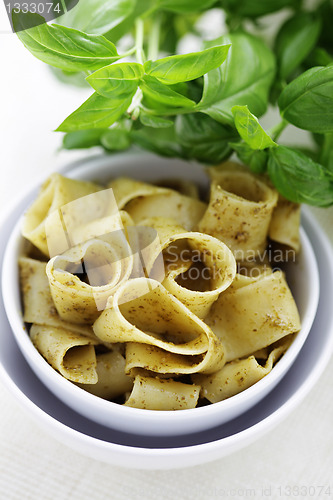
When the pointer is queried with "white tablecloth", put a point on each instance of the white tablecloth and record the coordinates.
(33, 465)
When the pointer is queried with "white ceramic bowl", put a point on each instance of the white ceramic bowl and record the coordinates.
(303, 279)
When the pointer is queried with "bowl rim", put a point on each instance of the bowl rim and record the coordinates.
(168, 417)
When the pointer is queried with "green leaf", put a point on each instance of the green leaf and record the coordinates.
(319, 57)
(154, 121)
(66, 48)
(163, 94)
(159, 141)
(186, 67)
(307, 102)
(82, 139)
(244, 79)
(203, 139)
(325, 11)
(98, 16)
(127, 25)
(295, 40)
(112, 78)
(326, 155)
(120, 71)
(194, 137)
(185, 6)
(256, 160)
(97, 112)
(257, 8)
(308, 152)
(300, 179)
(116, 139)
(75, 78)
(169, 33)
(250, 129)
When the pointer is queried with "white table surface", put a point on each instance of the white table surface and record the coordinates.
(33, 465)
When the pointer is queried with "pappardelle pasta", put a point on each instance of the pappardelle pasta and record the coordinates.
(150, 297)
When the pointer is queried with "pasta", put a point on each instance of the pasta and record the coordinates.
(158, 394)
(56, 192)
(112, 380)
(218, 266)
(239, 212)
(284, 225)
(250, 317)
(142, 200)
(238, 375)
(72, 354)
(167, 336)
(184, 187)
(38, 305)
(154, 299)
(105, 265)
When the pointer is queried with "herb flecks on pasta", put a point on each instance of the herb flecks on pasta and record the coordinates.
(148, 296)
(239, 212)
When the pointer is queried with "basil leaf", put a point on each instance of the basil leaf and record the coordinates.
(169, 33)
(203, 139)
(97, 112)
(98, 16)
(163, 94)
(154, 121)
(326, 156)
(319, 57)
(191, 138)
(307, 101)
(82, 139)
(244, 79)
(250, 129)
(256, 160)
(112, 78)
(295, 40)
(300, 179)
(66, 48)
(257, 8)
(75, 78)
(116, 140)
(127, 25)
(325, 11)
(186, 67)
(184, 6)
(159, 141)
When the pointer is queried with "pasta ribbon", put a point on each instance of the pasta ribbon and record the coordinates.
(198, 266)
(252, 269)
(284, 226)
(37, 300)
(164, 335)
(254, 314)
(72, 354)
(141, 200)
(56, 192)
(239, 212)
(103, 264)
(112, 380)
(237, 375)
(162, 394)
(187, 187)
